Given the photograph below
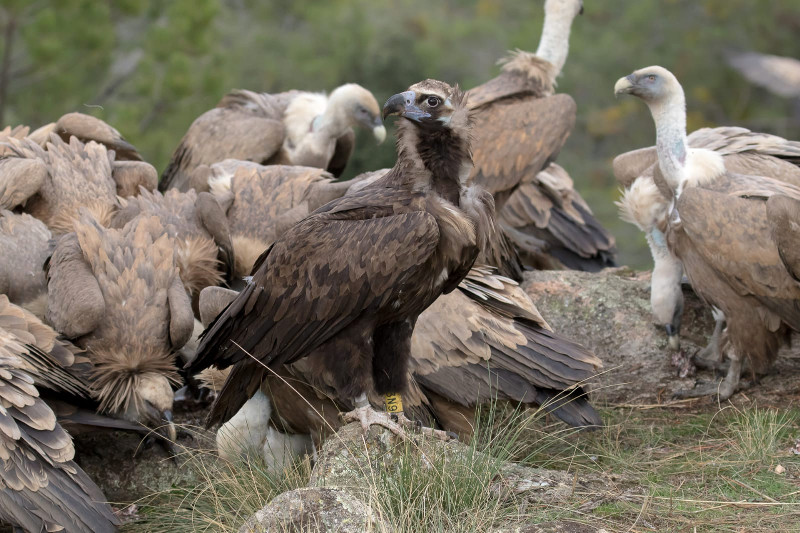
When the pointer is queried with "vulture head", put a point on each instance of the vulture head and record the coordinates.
(432, 105)
(359, 109)
(567, 8)
(654, 85)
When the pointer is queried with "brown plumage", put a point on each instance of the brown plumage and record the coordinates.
(18, 132)
(196, 225)
(77, 175)
(118, 293)
(295, 128)
(520, 127)
(42, 487)
(88, 128)
(262, 202)
(722, 231)
(25, 245)
(419, 229)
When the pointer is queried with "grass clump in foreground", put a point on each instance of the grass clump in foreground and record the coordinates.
(698, 471)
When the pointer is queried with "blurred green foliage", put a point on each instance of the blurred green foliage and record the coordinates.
(149, 67)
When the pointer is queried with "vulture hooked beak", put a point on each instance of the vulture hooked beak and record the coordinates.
(673, 337)
(168, 427)
(403, 104)
(624, 85)
(379, 130)
(581, 10)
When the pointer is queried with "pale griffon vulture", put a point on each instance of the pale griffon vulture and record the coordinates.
(119, 295)
(42, 488)
(521, 126)
(291, 128)
(778, 74)
(721, 230)
(644, 203)
(198, 228)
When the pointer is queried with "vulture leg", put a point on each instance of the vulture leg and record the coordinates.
(723, 389)
(710, 357)
(367, 416)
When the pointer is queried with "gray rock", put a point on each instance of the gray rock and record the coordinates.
(313, 509)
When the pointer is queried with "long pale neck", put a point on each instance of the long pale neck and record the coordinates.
(329, 124)
(554, 44)
(671, 145)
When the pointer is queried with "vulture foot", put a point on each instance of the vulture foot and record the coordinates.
(368, 416)
(194, 396)
(722, 389)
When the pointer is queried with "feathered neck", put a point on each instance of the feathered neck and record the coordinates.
(432, 158)
(669, 115)
(554, 43)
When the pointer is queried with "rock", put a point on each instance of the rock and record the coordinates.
(313, 509)
(346, 456)
(609, 312)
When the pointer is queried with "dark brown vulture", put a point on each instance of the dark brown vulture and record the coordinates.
(119, 295)
(721, 229)
(343, 288)
(41, 487)
(25, 246)
(483, 342)
(198, 228)
(643, 204)
(520, 127)
(292, 128)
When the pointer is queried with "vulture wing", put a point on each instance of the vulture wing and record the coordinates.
(25, 242)
(633, 164)
(488, 340)
(20, 179)
(43, 489)
(341, 154)
(245, 125)
(736, 241)
(524, 74)
(783, 213)
(517, 138)
(130, 175)
(319, 277)
(553, 227)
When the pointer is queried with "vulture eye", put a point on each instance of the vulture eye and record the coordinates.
(651, 77)
(433, 101)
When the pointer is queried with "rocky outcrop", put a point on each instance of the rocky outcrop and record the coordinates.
(312, 510)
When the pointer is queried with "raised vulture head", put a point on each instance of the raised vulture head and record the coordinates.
(432, 105)
(570, 8)
(359, 107)
(655, 85)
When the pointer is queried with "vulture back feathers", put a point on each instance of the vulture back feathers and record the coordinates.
(25, 242)
(41, 487)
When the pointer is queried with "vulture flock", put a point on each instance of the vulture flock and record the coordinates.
(250, 274)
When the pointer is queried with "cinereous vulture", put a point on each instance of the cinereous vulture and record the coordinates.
(24, 247)
(485, 341)
(520, 127)
(345, 285)
(42, 489)
(119, 295)
(198, 228)
(647, 206)
(290, 128)
(721, 230)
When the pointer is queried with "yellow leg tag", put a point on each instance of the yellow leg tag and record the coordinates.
(393, 403)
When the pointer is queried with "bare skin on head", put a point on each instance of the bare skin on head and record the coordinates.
(720, 230)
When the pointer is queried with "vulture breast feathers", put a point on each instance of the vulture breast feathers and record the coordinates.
(295, 128)
(352, 278)
(41, 487)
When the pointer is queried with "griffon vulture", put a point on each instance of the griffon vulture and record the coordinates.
(42, 489)
(197, 226)
(647, 206)
(520, 127)
(119, 295)
(778, 74)
(25, 246)
(345, 285)
(67, 177)
(292, 128)
(721, 230)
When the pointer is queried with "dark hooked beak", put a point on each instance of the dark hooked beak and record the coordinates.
(403, 104)
(581, 11)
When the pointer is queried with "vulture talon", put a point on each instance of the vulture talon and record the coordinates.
(367, 416)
